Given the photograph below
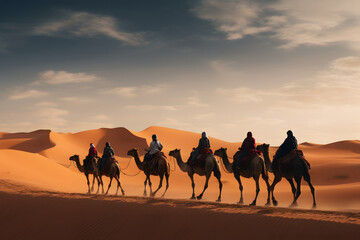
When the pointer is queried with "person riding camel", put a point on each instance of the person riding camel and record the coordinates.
(155, 147)
(92, 153)
(247, 145)
(204, 143)
(288, 145)
(108, 153)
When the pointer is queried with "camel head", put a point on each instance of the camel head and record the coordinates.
(221, 152)
(264, 148)
(174, 153)
(133, 152)
(74, 158)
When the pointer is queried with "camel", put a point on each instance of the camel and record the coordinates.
(256, 168)
(211, 165)
(112, 172)
(163, 169)
(298, 169)
(92, 169)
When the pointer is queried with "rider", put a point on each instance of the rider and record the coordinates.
(204, 143)
(155, 147)
(247, 145)
(92, 151)
(288, 145)
(108, 153)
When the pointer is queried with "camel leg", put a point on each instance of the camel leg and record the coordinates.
(192, 185)
(102, 183)
(257, 191)
(109, 185)
(160, 185)
(272, 187)
(119, 186)
(145, 182)
(237, 177)
(308, 180)
(298, 191)
(99, 183)
(93, 183)
(167, 183)
(88, 182)
(217, 174)
(266, 179)
(293, 188)
(150, 184)
(205, 186)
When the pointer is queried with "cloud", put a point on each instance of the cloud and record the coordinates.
(76, 99)
(195, 102)
(147, 107)
(100, 117)
(86, 24)
(46, 104)
(53, 117)
(62, 77)
(28, 94)
(293, 22)
(127, 92)
(173, 122)
(336, 86)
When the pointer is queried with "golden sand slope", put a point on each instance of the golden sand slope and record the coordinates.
(41, 159)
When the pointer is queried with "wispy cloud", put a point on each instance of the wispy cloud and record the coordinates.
(148, 107)
(292, 22)
(76, 99)
(173, 122)
(18, 95)
(46, 104)
(195, 102)
(127, 92)
(62, 77)
(53, 117)
(88, 25)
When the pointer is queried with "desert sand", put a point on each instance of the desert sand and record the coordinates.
(43, 193)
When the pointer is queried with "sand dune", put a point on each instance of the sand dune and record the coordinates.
(41, 159)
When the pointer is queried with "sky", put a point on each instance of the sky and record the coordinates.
(222, 66)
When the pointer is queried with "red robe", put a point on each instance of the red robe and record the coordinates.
(92, 152)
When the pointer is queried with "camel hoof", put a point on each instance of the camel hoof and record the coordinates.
(294, 204)
(218, 200)
(268, 203)
(123, 193)
(314, 206)
(152, 194)
(193, 197)
(275, 203)
(241, 202)
(145, 194)
(199, 197)
(253, 204)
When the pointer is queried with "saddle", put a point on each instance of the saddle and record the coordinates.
(200, 160)
(155, 159)
(89, 161)
(107, 164)
(285, 162)
(246, 160)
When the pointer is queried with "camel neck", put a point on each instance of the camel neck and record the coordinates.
(183, 166)
(78, 165)
(138, 162)
(227, 163)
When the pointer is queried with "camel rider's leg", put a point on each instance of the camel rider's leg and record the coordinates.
(195, 155)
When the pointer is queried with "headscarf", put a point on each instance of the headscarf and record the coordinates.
(203, 135)
(290, 133)
(249, 134)
(154, 137)
(92, 145)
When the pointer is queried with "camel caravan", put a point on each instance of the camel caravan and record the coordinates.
(250, 161)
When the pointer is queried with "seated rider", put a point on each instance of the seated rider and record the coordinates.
(204, 143)
(92, 153)
(247, 145)
(108, 153)
(288, 145)
(155, 147)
